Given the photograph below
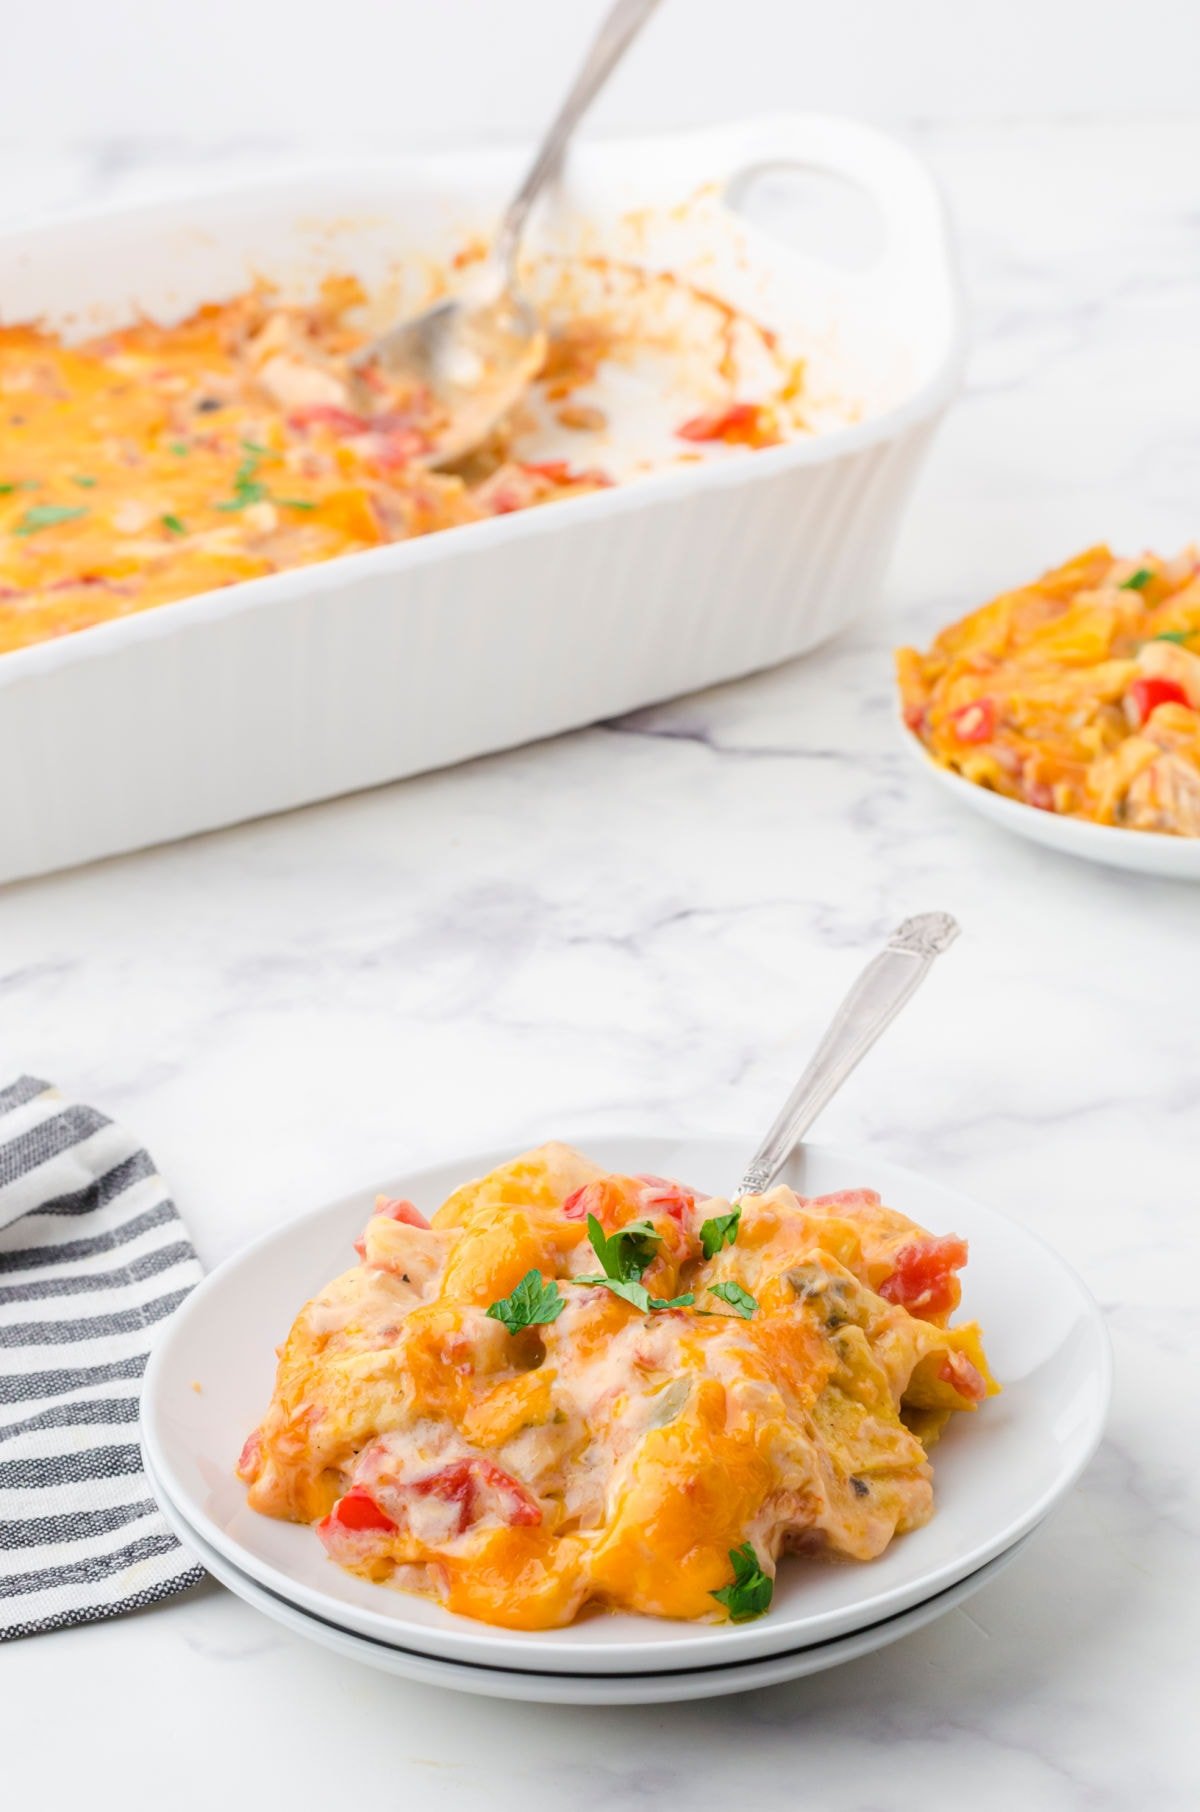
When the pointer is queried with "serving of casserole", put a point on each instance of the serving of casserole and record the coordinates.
(572, 1387)
(1078, 694)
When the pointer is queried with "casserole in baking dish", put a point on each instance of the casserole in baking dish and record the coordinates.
(160, 460)
(301, 684)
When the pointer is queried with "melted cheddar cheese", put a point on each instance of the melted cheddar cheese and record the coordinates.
(613, 1455)
(163, 461)
(1078, 694)
(158, 462)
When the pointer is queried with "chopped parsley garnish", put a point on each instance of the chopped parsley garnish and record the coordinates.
(533, 1303)
(1136, 580)
(246, 490)
(45, 515)
(630, 1290)
(624, 1255)
(179, 447)
(83, 481)
(749, 1593)
(175, 525)
(248, 487)
(1179, 636)
(739, 1300)
(6, 490)
(722, 1230)
(295, 503)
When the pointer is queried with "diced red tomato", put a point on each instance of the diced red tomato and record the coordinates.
(604, 1198)
(250, 1455)
(661, 1196)
(560, 471)
(741, 424)
(477, 1485)
(329, 415)
(958, 1372)
(922, 1279)
(849, 1198)
(975, 722)
(396, 1208)
(358, 1510)
(556, 470)
(612, 1202)
(392, 451)
(916, 718)
(1149, 692)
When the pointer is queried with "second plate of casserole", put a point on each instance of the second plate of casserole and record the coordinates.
(211, 1377)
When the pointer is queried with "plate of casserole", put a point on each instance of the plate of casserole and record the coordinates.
(1068, 710)
(579, 1415)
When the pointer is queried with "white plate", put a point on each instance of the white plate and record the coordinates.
(576, 1689)
(997, 1474)
(1145, 852)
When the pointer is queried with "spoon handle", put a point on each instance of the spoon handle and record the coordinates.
(613, 39)
(886, 983)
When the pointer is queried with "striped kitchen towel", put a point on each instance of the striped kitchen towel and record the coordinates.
(93, 1258)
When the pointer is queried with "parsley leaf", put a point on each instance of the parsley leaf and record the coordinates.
(83, 481)
(738, 1299)
(624, 1254)
(295, 503)
(749, 1594)
(722, 1230)
(1136, 580)
(630, 1290)
(174, 524)
(246, 490)
(256, 448)
(1179, 636)
(533, 1303)
(179, 447)
(45, 515)
(6, 490)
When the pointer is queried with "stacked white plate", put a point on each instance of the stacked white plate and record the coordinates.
(997, 1474)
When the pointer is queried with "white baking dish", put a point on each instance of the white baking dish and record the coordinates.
(299, 686)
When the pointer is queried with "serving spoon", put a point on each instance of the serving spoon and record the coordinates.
(885, 985)
(476, 352)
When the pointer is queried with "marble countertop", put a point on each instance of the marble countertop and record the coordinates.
(647, 924)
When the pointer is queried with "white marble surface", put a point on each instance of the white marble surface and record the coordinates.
(462, 68)
(647, 924)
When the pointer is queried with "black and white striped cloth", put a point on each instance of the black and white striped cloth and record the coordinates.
(93, 1258)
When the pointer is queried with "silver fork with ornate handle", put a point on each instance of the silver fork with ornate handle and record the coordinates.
(887, 982)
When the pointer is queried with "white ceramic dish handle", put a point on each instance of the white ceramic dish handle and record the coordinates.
(911, 212)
